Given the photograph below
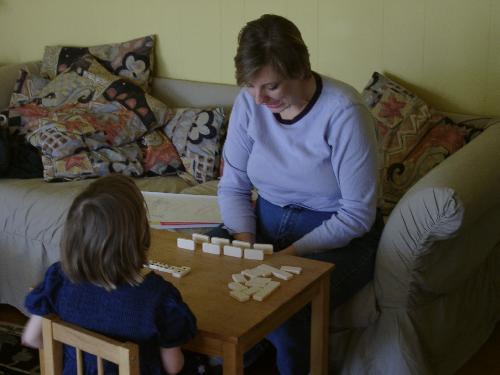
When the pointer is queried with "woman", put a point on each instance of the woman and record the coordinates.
(307, 144)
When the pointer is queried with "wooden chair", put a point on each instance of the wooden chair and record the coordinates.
(55, 332)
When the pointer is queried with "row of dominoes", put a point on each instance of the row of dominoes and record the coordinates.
(255, 282)
(173, 270)
(235, 248)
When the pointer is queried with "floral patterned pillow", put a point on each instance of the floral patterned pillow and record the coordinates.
(160, 155)
(28, 86)
(133, 60)
(413, 138)
(88, 122)
(197, 134)
(26, 161)
(124, 159)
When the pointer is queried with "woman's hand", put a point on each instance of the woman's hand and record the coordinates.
(290, 250)
(245, 236)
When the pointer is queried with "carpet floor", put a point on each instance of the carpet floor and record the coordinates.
(16, 359)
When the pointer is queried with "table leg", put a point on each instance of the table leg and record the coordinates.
(320, 328)
(233, 359)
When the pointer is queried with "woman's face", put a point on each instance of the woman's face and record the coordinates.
(274, 92)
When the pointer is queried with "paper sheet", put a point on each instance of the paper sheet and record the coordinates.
(171, 211)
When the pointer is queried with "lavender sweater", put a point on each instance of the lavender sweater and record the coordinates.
(325, 160)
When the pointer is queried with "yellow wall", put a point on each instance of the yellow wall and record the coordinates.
(446, 50)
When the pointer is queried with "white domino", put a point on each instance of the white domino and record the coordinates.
(236, 286)
(233, 251)
(173, 270)
(210, 248)
(200, 238)
(240, 296)
(266, 291)
(275, 271)
(242, 244)
(282, 274)
(265, 270)
(253, 254)
(258, 281)
(162, 267)
(185, 243)
(267, 248)
(253, 272)
(292, 269)
(220, 241)
(239, 278)
(252, 290)
(181, 271)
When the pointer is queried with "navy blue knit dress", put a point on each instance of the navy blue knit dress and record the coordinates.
(151, 314)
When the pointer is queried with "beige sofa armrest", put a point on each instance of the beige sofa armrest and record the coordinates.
(473, 173)
(444, 228)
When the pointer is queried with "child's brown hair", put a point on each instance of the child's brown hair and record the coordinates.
(106, 234)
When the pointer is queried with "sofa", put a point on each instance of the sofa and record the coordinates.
(435, 297)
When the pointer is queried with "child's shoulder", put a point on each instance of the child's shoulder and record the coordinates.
(41, 299)
(54, 274)
(155, 282)
(55, 268)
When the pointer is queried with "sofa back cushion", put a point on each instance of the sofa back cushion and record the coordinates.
(413, 138)
(132, 60)
(197, 133)
(89, 123)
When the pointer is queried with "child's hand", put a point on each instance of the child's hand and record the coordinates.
(172, 359)
(32, 334)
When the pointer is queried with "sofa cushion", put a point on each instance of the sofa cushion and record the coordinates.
(358, 312)
(420, 219)
(413, 138)
(133, 59)
(26, 161)
(197, 133)
(89, 123)
(28, 85)
(207, 188)
(160, 155)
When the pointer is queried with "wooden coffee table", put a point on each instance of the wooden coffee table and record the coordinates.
(227, 327)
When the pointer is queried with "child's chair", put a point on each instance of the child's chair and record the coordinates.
(55, 332)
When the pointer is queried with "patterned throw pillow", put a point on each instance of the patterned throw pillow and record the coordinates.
(133, 60)
(197, 135)
(412, 137)
(88, 122)
(160, 155)
(28, 86)
(26, 161)
(125, 159)
(27, 89)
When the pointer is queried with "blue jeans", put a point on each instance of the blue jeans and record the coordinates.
(354, 265)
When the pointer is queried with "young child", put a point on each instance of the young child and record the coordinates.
(98, 283)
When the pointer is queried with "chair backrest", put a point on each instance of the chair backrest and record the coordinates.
(56, 332)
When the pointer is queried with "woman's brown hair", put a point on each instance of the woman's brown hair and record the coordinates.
(106, 234)
(271, 40)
